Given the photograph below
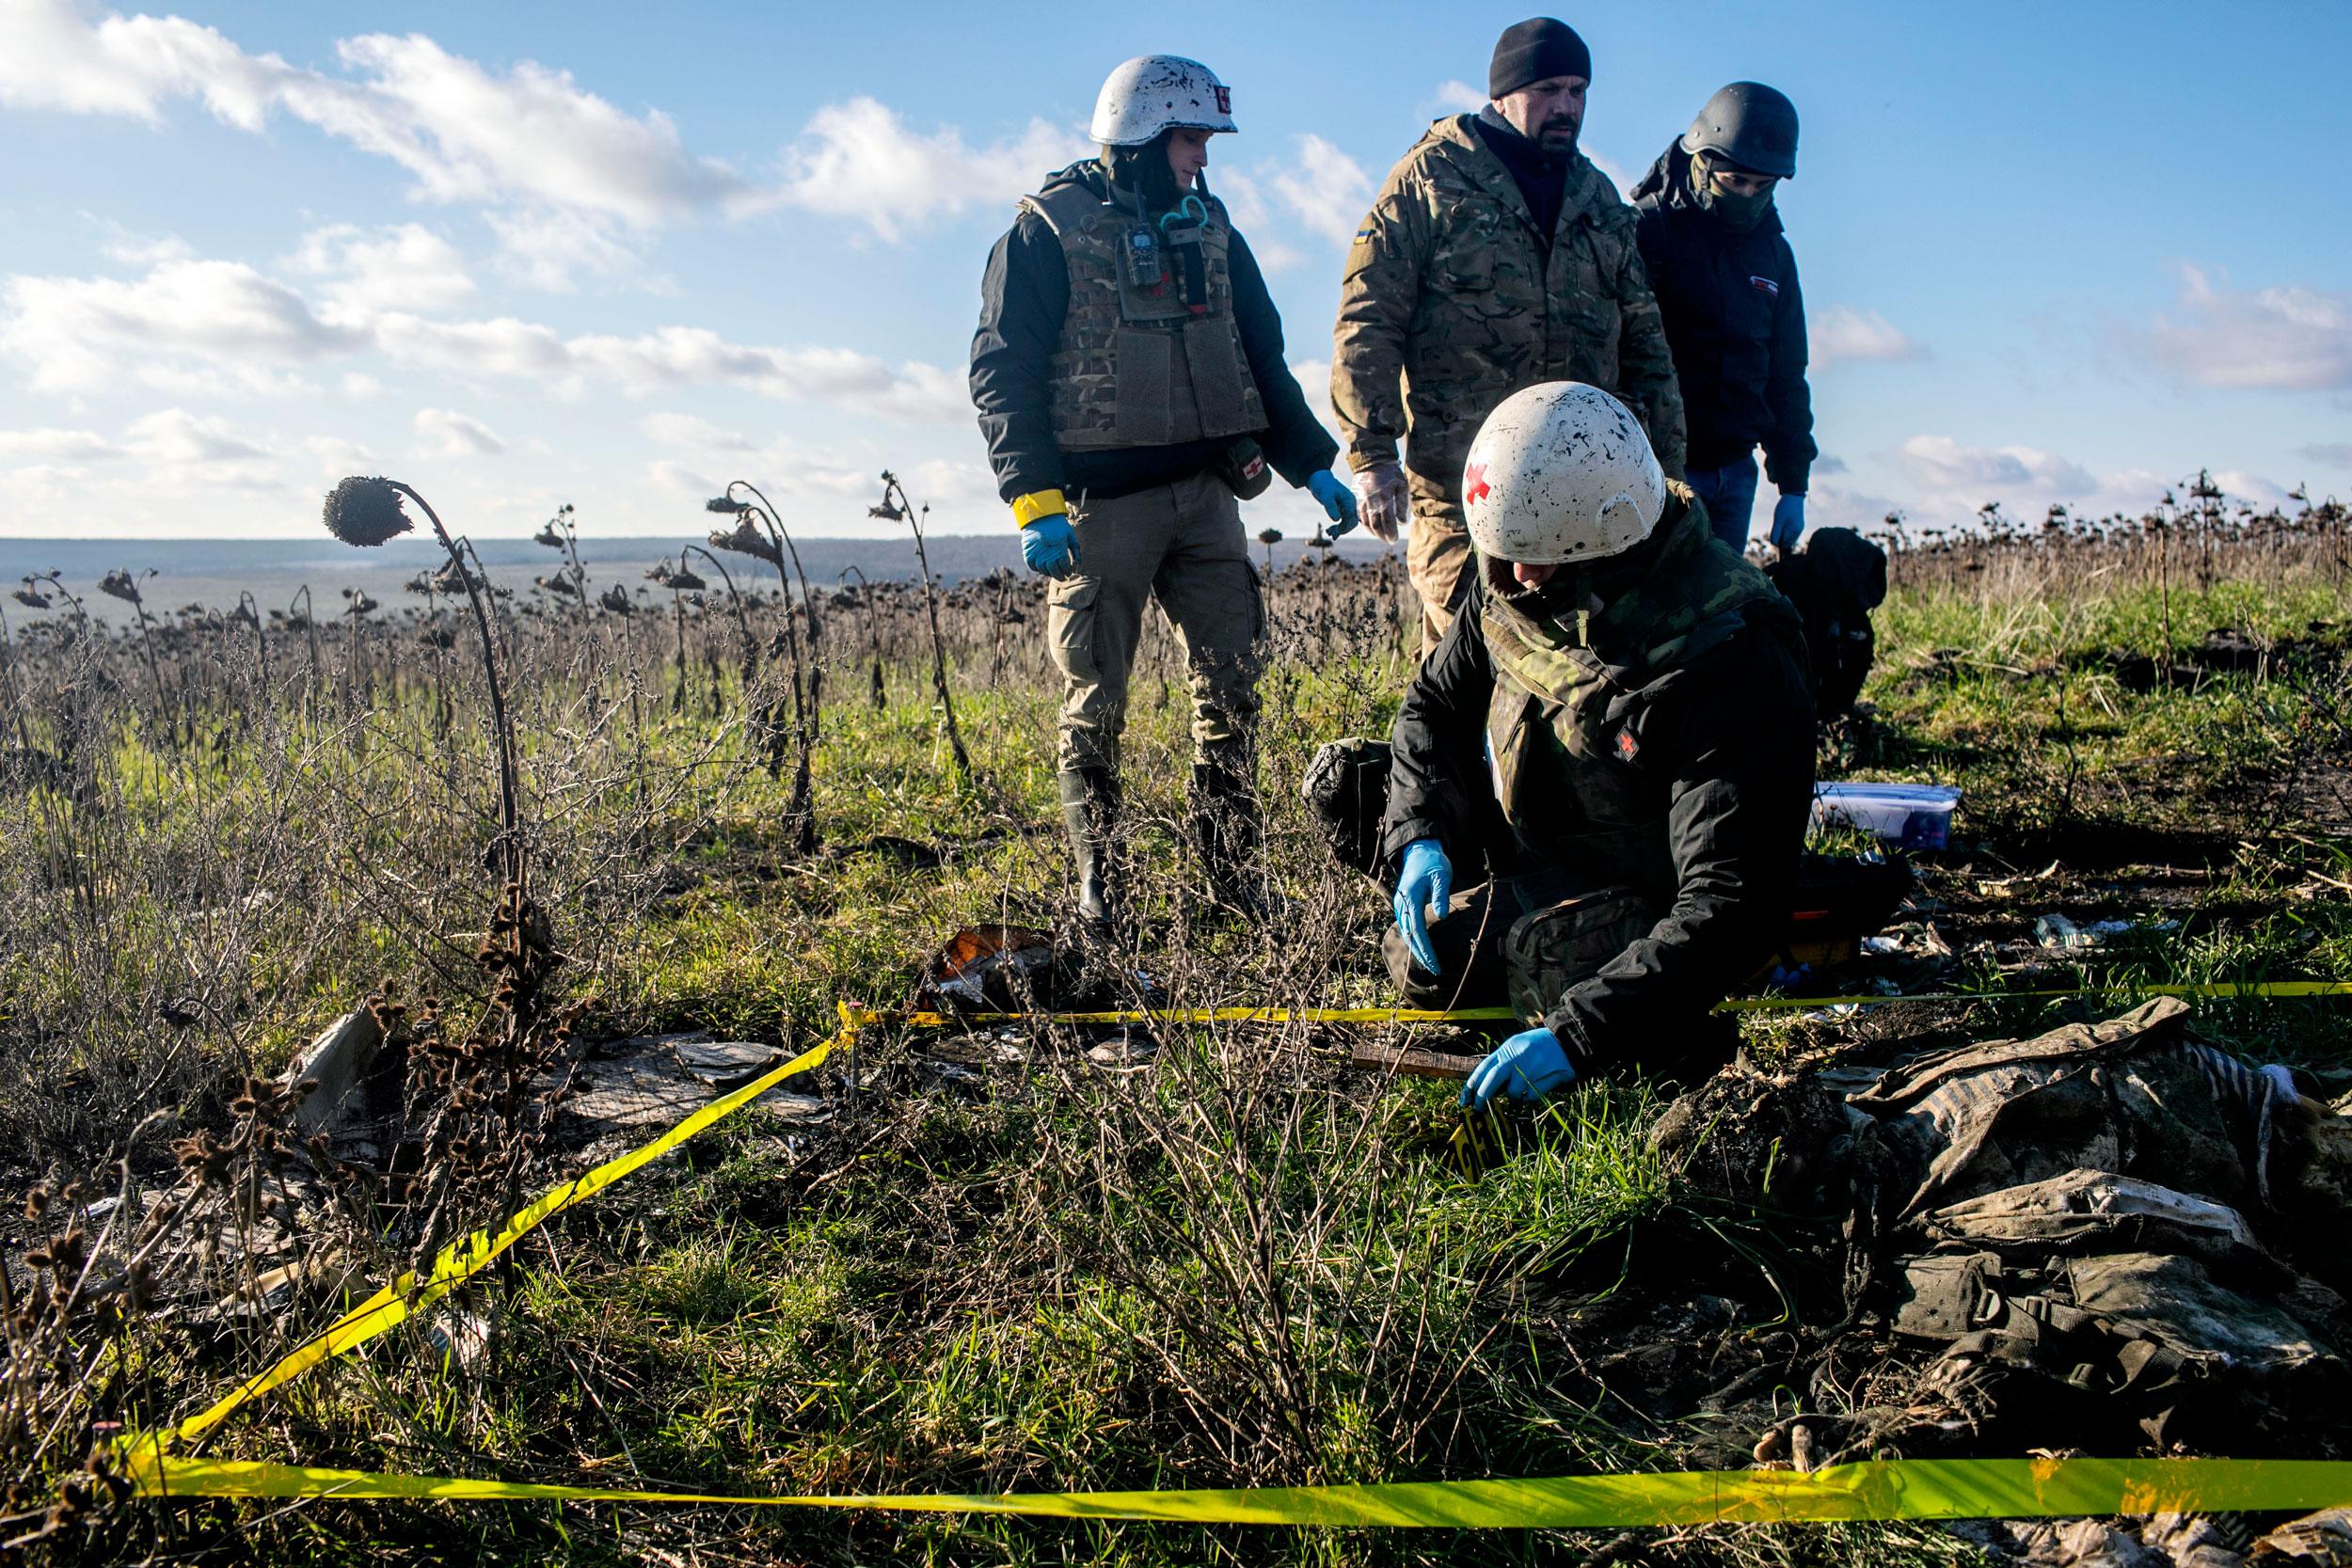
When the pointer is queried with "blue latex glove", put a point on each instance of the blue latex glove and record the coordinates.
(1050, 545)
(1427, 878)
(1788, 521)
(1528, 1066)
(1336, 498)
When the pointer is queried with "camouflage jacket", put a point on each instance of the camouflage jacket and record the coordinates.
(1451, 304)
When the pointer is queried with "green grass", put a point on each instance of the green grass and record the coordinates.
(1246, 1265)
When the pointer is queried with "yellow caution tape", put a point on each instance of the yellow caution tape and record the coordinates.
(2269, 990)
(407, 1296)
(1893, 1489)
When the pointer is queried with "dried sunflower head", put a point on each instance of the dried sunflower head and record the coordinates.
(748, 540)
(365, 511)
(726, 504)
(117, 584)
(687, 581)
(615, 599)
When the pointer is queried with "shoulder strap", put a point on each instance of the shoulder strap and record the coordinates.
(1065, 208)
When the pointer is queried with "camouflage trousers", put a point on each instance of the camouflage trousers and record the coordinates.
(1437, 555)
(1182, 546)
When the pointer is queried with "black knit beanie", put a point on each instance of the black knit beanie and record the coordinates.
(1534, 51)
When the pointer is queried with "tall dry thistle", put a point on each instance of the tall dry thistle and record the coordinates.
(758, 533)
(895, 508)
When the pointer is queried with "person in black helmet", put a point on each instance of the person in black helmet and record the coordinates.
(1726, 285)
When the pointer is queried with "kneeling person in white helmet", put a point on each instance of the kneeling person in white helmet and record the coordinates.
(1129, 375)
(1616, 734)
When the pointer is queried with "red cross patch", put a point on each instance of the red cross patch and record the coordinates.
(1224, 100)
(1626, 745)
(1474, 485)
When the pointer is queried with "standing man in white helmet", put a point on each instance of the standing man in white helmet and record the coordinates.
(1129, 375)
(1495, 256)
(1616, 736)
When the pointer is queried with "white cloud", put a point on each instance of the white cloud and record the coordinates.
(223, 311)
(142, 250)
(2240, 485)
(1246, 204)
(176, 447)
(58, 59)
(668, 475)
(693, 434)
(408, 267)
(551, 248)
(1841, 334)
(466, 133)
(1942, 465)
(210, 327)
(446, 433)
(1315, 379)
(688, 356)
(469, 135)
(572, 168)
(2274, 339)
(1611, 170)
(1329, 191)
(1454, 96)
(51, 444)
(333, 456)
(859, 162)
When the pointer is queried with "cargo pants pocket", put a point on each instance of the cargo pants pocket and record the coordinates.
(1549, 950)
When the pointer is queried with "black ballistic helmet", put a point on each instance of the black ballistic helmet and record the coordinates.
(1749, 125)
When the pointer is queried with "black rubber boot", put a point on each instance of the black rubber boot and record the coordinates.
(1089, 808)
(1225, 834)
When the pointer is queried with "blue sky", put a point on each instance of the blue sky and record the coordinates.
(519, 254)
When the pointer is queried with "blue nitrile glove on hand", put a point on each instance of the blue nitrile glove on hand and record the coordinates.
(1528, 1066)
(1426, 878)
(1336, 501)
(1787, 520)
(1050, 545)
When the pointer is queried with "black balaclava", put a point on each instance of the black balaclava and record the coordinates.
(1738, 214)
(1143, 171)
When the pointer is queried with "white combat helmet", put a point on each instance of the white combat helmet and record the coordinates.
(1561, 473)
(1151, 92)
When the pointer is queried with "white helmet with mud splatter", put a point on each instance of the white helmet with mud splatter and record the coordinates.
(1151, 92)
(1561, 473)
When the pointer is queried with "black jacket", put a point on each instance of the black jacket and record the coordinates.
(1727, 741)
(1735, 319)
(1024, 296)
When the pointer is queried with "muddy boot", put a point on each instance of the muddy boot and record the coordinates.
(1225, 834)
(1089, 807)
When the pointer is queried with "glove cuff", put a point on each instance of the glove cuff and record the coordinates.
(1039, 504)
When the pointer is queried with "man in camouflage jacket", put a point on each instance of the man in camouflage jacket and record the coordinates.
(1495, 256)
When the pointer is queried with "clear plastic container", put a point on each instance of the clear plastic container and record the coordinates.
(1905, 816)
